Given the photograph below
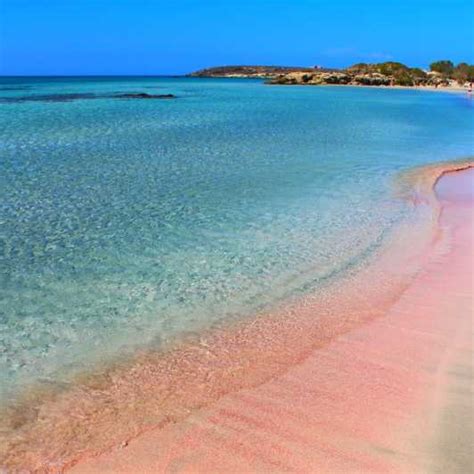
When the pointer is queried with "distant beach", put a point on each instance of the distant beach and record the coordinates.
(441, 75)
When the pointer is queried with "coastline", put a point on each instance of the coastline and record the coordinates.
(442, 76)
(385, 397)
(109, 411)
(447, 89)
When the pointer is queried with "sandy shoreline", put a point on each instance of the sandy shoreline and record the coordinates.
(394, 395)
(289, 392)
(448, 89)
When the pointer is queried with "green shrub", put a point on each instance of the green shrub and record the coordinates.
(418, 73)
(403, 78)
(360, 68)
(444, 67)
(390, 68)
(464, 73)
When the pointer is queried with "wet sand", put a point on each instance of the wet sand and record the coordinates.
(392, 394)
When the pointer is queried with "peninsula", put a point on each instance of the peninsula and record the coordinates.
(250, 71)
(441, 74)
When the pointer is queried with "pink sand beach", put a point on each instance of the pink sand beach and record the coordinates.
(380, 381)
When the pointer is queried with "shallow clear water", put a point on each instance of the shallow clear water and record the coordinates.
(130, 222)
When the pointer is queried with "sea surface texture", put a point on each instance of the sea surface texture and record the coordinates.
(132, 222)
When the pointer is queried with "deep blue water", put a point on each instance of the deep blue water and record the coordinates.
(129, 222)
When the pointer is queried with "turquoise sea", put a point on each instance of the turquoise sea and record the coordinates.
(132, 222)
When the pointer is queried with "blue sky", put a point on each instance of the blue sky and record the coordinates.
(62, 37)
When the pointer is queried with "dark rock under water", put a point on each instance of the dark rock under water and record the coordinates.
(83, 96)
(14, 88)
(143, 95)
(47, 98)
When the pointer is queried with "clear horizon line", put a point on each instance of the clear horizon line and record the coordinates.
(93, 75)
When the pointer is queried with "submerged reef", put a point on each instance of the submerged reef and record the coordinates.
(83, 96)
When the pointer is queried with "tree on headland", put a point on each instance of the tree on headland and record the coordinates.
(463, 72)
(444, 67)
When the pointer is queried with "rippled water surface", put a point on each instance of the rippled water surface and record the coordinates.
(127, 222)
